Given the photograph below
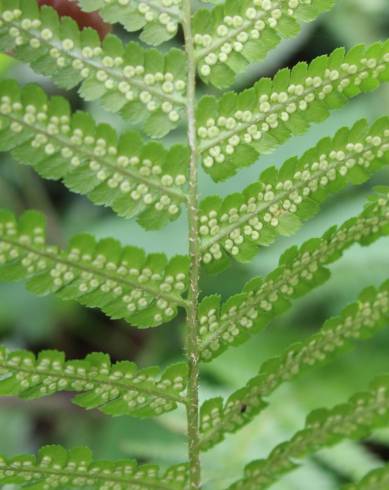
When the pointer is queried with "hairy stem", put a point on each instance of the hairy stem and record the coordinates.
(194, 251)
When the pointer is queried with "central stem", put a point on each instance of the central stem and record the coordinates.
(194, 252)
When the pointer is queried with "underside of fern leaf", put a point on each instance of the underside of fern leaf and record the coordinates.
(144, 85)
(324, 428)
(236, 128)
(299, 271)
(235, 34)
(121, 281)
(284, 198)
(150, 93)
(357, 321)
(375, 480)
(159, 19)
(54, 467)
(123, 172)
(116, 389)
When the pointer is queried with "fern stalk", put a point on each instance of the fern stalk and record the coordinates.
(192, 345)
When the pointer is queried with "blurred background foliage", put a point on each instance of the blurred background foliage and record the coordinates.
(42, 323)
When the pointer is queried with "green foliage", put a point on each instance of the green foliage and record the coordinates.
(299, 271)
(325, 427)
(54, 467)
(234, 34)
(375, 480)
(284, 198)
(121, 281)
(133, 177)
(235, 129)
(154, 90)
(159, 19)
(144, 85)
(357, 321)
(116, 389)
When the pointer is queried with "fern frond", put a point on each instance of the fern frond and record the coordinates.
(159, 19)
(324, 428)
(299, 271)
(56, 467)
(144, 85)
(234, 34)
(122, 281)
(377, 479)
(235, 129)
(357, 321)
(115, 389)
(283, 198)
(124, 172)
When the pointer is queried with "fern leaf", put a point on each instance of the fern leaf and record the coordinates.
(234, 34)
(121, 281)
(324, 428)
(56, 467)
(377, 479)
(144, 85)
(235, 129)
(159, 19)
(116, 389)
(299, 271)
(283, 198)
(358, 321)
(131, 176)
